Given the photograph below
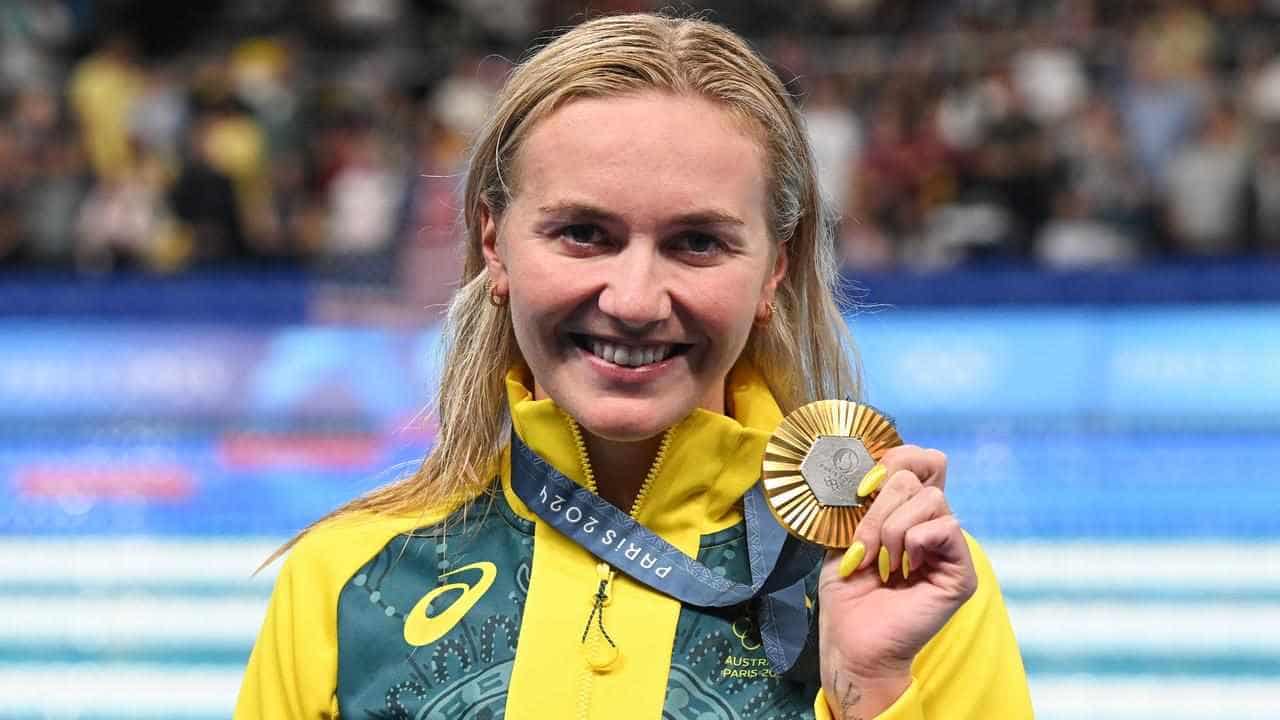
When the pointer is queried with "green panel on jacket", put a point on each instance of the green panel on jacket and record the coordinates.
(718, 667)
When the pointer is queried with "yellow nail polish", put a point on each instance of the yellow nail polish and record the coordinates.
(852, 558)
(872, 480)
(906, 565)
(884, 564)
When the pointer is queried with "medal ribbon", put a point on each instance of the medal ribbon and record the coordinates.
(778, 562)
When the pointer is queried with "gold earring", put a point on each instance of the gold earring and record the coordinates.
(496, 299)
(769, 310)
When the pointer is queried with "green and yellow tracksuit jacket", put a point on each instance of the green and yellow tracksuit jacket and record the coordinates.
(394, 617)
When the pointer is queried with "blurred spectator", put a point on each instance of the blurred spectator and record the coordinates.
(905, 171)
(1001, 182)
(1076, 237)
(1051, 79)
(32, 35)
(1207, 185)
(204, 198)
(233, 143)
(121, 222)
(432, 262)
(1161, 102)
(836, 138)
(11, 241)
(329, 135)
(1265, 95)
(363, 193)
(54, 181)
(159, 114)
(102, 91)
(1099, 207)
(263, 75)
(1266, 191)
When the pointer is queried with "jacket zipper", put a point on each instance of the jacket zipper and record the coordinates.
(589, 475)
(606, 573)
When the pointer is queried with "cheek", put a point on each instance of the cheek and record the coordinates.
(533, 318)
(726, 307)
(542, 297)
(528, 273)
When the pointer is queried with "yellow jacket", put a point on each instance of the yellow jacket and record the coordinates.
(391, 617)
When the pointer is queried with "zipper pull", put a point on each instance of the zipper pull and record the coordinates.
(606, 576)
(600, 656)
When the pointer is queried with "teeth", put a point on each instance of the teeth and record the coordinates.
(629, 356)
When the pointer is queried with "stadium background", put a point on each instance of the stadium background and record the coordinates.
(226, 229)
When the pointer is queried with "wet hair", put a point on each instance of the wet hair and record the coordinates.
(803, 352)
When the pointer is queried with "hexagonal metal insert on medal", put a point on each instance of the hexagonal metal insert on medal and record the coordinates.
(834, 467)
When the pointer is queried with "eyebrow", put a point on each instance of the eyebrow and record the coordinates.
(693, 219)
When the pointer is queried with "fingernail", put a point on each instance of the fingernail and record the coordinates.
(872, 480)
(852, 558)
(884, 564)
(906, 565)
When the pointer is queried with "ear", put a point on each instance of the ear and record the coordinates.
(493, 262)
(771, 283)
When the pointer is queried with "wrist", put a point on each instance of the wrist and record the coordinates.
(856, 696)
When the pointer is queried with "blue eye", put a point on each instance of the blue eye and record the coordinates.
(700, 243)
(583, 234)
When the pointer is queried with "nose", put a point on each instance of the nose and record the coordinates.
(635, 293)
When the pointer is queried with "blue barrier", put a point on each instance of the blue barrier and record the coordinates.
(1196, 366)
(282, 296)
(1243, 280)
(263, 297)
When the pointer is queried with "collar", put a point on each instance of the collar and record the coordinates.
(711, 461)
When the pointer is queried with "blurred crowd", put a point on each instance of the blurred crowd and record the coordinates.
(330, 134)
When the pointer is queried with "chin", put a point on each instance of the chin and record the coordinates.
(635, 425)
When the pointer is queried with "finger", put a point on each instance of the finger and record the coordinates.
(897, 489)
(925, 505)
(928, 464)
(940, 543)
(851, 558)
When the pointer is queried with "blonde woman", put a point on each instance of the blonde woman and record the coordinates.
(648, 290)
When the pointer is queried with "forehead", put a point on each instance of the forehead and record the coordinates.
(645, 152)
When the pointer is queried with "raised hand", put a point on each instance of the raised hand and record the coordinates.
(906, 574)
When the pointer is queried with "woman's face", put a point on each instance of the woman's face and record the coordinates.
(636, 257)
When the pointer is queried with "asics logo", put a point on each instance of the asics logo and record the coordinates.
(423, 629)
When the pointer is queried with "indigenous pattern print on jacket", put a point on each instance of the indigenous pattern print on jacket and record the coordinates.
(428, 629)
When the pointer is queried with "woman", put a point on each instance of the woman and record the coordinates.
(648, 290)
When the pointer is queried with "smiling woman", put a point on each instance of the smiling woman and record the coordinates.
(649, 287)
(638, 231)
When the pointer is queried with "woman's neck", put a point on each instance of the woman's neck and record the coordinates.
(620, 468)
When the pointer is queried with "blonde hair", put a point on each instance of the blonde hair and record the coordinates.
(804, 353)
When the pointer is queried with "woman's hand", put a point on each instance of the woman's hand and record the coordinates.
(871, 629)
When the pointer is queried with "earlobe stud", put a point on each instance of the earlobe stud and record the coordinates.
(496, 299)
(769, 310)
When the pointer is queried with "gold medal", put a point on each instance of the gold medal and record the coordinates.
(814, 463)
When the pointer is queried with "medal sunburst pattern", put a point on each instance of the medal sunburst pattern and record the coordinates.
(791, 499)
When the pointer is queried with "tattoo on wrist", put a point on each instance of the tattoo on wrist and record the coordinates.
(847, 695)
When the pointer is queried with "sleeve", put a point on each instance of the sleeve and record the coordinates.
(971, 669)
(292, 672)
